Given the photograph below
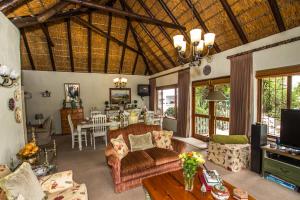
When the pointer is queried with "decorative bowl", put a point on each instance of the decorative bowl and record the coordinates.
(220, 192)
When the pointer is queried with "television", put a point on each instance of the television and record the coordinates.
(290, 128)
(143, 90)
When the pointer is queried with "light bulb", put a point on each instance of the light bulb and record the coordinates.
(14, 74)
(4, 70)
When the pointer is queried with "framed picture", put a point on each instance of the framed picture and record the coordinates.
(72, 92)
(120, 95)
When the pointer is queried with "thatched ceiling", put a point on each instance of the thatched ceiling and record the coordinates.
(85, 36)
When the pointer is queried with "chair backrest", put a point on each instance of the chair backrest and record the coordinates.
(99, 123)
(71, 123)
(95, 112)
(149, 117)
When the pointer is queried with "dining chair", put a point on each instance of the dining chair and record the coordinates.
(95, 112)
(74, 133)
(99, 128)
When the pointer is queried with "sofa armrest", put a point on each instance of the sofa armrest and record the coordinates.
(115, 164)
(178, 145)
(110, 150)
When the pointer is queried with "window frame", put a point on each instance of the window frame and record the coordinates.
(211, 107)
(166, 87)
(287, 71)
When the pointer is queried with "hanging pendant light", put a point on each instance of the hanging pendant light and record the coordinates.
(216, 96)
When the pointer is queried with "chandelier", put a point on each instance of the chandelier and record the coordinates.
(120, 82)
(197, 51)
(9, 76)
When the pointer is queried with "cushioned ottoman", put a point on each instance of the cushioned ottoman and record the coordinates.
(233, 157)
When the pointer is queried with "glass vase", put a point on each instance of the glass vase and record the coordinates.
(188, 182)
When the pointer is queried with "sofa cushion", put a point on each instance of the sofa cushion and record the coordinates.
(136, 161)
(120, 146)
(57, 182)
(162, 156)
(140, 142)
(163, 139)
(22, 182)
(230, 139)
(76, 192)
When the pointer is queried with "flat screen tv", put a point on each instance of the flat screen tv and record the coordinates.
(143, 90)
(290, 128)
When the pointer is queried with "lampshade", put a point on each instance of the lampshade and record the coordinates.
(14, 74)
(200, 46)
(209, 39)
(116, 80)
(183, 46)
(178, 39)
(123, 80)
(195, 35)
(215, 96)
(4, 70)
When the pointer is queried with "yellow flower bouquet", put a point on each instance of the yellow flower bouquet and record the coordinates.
(190, 163)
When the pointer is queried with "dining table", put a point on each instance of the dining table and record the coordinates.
(87, 124)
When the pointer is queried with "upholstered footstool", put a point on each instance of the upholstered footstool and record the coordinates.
(233, 157)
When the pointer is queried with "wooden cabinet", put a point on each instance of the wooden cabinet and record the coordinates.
(76, 115)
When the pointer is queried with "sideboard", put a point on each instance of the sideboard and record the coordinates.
(76, 116)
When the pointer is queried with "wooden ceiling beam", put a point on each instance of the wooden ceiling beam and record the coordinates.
(102, 33)
(27, 48)
(135, 63)
(234, 21)
(9, 6)
(89, 40)
(46, 31)
(151, 37)
(173, 18)
(276, 14)
(200, 21)
(44, 16)
(107, 43)
(123, 50)
(70, 44)
(32, 20)
(121, 13)
(134, 34)
(148, 11)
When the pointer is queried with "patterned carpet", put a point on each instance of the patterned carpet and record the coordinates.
(89, 166)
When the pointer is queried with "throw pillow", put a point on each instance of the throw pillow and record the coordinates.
(140, 142)
(163, 139)
(230, 139)
(22, 182)
(57, 182)
(120, 146)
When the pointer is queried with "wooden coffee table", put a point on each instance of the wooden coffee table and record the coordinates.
(170, 186)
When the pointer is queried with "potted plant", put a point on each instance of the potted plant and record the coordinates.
(190, 163)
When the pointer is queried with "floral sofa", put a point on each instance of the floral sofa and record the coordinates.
(59, 186)
(129, 171)
(233, 157)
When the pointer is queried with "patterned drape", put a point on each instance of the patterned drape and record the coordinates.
(183, 111)
(241, 102)
(152, 100)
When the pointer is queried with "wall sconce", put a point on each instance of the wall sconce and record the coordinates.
(46, 93)
(9, 77)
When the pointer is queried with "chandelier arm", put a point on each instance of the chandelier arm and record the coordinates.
(207, 53)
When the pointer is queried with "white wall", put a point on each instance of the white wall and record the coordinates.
(94, 91)
(280, 56)
(11, 133)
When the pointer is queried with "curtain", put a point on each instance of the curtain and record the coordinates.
(241, 102)
(152, 100)
(183, 111)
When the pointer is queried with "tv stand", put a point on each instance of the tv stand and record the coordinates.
(282, 164)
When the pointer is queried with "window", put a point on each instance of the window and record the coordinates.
(276, 92)
(167, 100)
(210, 117)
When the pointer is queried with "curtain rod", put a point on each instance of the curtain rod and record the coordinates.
(266, 47)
